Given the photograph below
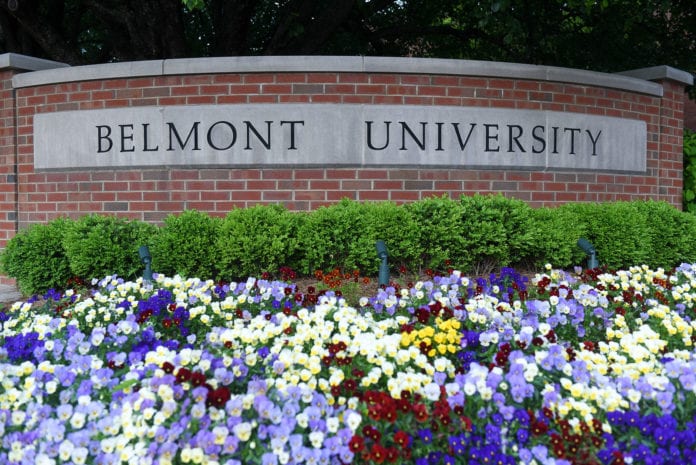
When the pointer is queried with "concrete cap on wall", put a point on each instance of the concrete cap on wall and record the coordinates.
(348, 64)
(657, 73)
(27, 63)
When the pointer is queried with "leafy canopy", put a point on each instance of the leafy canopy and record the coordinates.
(604, 35)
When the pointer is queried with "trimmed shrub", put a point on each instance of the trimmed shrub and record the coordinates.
(557, 231)
(499, 232)
(343, 236)
(392, 224)
(618, 230)
(258, 239)
(440, 239)
(186, 245)
(99, 246)
(35, 257)
(672, 234)
(476, 235)
(326, 235)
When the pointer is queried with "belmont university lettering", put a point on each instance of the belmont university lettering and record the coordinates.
(307, 135)
(535, 141)
(378, 136)
(126, 141)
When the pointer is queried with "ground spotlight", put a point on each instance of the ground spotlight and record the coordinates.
(590, 251)
(384, 266)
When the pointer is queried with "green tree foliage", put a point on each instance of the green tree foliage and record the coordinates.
(606, 35)
(690, 171)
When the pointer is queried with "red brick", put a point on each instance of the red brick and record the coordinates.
(261, 99)
(383, 79)
(291, 78)
(388, 100)
(339, 88)
(388, 185)
(170, 206)
(245, 195)
(156, 196)
(324, 185)
(356, 185)
(186, 195)
(249, 78)
(276, 88)
(293, 185)
(229, 185)
(353, 78)
(357, 99)
(261, 185)
(328, 78)
(245, 89)
(373, 195)
(310, 195)
(231, 99)
(294, 98)
(200, 206)
(372, 174)
(404, 196)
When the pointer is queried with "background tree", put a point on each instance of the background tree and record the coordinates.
(603, 35)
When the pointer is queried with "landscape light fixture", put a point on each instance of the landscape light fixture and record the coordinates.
(146, 258)
(590, 251)
(384, 265)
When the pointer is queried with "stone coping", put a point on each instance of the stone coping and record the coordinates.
(661, 72)
(61, 73)
(26, 63)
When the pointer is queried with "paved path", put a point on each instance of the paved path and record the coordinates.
(9, 294)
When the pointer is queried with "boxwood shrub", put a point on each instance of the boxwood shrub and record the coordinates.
(98, 246)
(36, 258)
(476, 234)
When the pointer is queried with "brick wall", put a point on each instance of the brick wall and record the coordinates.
(152, 194)
(8, 177)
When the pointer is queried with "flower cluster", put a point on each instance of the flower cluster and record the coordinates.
(590, 368)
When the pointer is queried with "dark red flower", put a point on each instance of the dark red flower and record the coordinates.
(356, 444)
(392, 454)
(198, 379)
(378, 453)
(183, 375)
(168, 368)
(218, 397)
(402, 438)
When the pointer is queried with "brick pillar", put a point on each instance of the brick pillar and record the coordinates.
(670, 143)
(8, 161)
(12, 64)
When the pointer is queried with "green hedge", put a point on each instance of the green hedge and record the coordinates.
(186, 245)
(256, 240)
(97, 246)
(476, 235)
(36, 258)
(343, 236)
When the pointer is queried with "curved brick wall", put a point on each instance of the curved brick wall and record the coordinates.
(31, 86)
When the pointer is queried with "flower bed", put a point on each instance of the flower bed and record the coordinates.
(583, 369)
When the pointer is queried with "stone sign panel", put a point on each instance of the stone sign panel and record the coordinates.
(337, 135)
